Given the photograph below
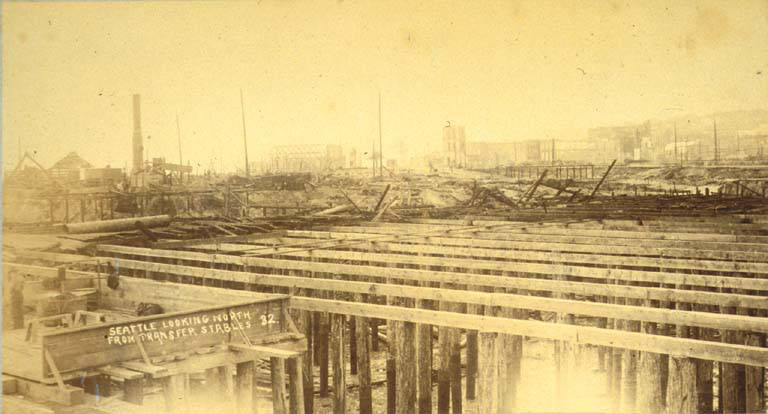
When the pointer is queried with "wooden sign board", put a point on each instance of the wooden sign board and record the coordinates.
(108, 343)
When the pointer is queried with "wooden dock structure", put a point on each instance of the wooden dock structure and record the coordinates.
(669, 305)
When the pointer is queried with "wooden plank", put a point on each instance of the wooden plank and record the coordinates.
(488, 248)
(536, 268)
(693, 348)
(565, 252)
(571, 236)
(119, 372)
(161, 334)
(690, 318)
(516, 257)
(265, 351)
(66, 395)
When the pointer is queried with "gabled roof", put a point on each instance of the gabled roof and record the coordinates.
(71, 162)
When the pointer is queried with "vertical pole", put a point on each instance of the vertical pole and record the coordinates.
(381, 148)
(296, 384)
(277, 366)
(391, 386)
(714, 134)
(472, 359)
(178, 133)
(174, 393)
(488, 374)
(337, 356)
(754, 378)
(309, 382)
(133, 391)
(244, 387)
(352, 346)
(648, 398)
(323, 355)
(364, 365)
(406, 371)
(245, 140)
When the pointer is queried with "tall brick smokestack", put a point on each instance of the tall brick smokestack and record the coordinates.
(138, 142)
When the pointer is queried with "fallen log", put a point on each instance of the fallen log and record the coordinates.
(106, 226)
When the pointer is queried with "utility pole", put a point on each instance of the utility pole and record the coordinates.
(381, 148)
(553, 151)
(676, 142)
(738, 145)
(373, 157)
(717, 152)
(178, 133)
(245, 141)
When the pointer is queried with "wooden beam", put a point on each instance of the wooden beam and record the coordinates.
(689, 318)
(518, 256)
(538, 268)
(692, 348)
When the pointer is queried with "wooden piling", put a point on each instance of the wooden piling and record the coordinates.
(364, 365)
(305, 325)
(295, 368)
(352, 346)
(277, 371)
(337, 359)
(443, 373)
(471, 364)
(754, 378)
(648, 399)
(391, 386)
(424, 359)
(406, 370)
(174, 393)
(133, 391)
(682, 383)
(682, 396)
(322, 355)
(244, 387)
(374, 335)
(488, 374)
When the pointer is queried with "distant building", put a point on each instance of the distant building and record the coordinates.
(67, 169)
(307, 158)
(454, 146)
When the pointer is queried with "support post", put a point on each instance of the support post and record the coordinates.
(296, 385)
(244, 387)
(133, 391)
(337, 357)
(277, 366)
(174, 393)
(364, 365)
(488, 374)
(406, 371)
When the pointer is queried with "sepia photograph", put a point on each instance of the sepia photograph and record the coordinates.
(384, 206)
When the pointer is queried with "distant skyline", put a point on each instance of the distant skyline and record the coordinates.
(311, 72)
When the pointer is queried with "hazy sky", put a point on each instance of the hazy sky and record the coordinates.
(311, 71)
